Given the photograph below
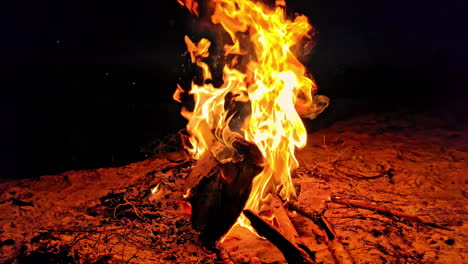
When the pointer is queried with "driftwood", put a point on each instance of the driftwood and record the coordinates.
(291, 251)
(218, 196)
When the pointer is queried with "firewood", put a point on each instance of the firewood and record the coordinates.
(285, 225)
(283, 221)
(291, 251)
(336, 247)
(203, 168)
(218, 198)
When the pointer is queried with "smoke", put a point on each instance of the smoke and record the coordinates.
(320, 102)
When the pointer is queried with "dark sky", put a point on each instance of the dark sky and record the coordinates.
(86, 83)
(55, 48)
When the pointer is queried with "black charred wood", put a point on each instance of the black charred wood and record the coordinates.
(218, 199)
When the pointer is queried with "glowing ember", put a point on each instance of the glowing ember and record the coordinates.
(274, 90)
(155, 189)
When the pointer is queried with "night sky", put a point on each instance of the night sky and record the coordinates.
(88, 84)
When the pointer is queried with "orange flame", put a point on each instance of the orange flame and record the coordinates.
(275, 86)
(191, 5)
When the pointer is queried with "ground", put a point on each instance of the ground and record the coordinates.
(411, 163)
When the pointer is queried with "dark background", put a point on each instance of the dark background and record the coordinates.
(89, 84)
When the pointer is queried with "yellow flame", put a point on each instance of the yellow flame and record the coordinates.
(275, 84)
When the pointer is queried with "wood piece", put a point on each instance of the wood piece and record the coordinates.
(218, 198)
(383, 211)
(315, 216)
(336, 247)
(202, 168)
(283, 221)
(286, 227)
(291, 252)
(358, 175)
(307, 212)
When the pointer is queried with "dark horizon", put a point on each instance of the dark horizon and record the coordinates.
(89, 84)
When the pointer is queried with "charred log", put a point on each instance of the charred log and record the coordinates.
(219, 197)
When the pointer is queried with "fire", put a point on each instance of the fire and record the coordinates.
(191, 5)
(273, 90)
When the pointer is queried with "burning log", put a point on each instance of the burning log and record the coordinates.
(219, 197)
(291, 251)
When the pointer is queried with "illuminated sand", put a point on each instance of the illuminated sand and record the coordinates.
(429, 160)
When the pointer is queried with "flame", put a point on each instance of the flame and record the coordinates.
(274, 86)
(191, 5)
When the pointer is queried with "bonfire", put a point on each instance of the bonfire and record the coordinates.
(251, 125)
(244, 182)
